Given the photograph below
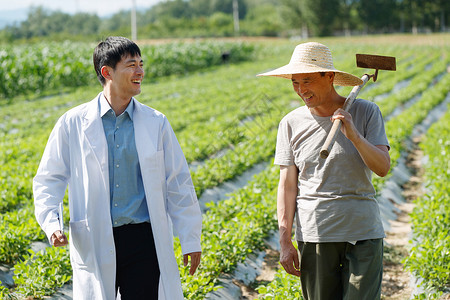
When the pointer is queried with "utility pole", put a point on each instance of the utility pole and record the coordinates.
(133, 21)
(236, 16)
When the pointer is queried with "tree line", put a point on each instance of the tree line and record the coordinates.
(217, 18)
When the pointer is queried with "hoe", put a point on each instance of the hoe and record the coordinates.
(376, 62)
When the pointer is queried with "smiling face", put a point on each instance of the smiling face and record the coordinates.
(315, 90)
(126, 78)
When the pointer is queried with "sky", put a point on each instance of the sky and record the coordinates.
(16, 10)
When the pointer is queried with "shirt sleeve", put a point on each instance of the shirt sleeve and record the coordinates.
(283, 153)
(50, 182)
(375, 131)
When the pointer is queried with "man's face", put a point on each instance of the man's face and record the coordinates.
(313, 88)
(127, 76)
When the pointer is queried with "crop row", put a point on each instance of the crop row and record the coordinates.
(256, 144)
(430, 256)
(419, 84)
(41, 67)
(241, 162)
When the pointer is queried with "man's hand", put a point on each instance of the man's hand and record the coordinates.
(58, 239)
(348, 128)
(195, 261)
(289, 259)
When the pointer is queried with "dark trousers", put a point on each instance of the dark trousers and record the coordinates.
(336, 271)
(137, 269)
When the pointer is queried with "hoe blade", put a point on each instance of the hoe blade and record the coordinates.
(376, 62)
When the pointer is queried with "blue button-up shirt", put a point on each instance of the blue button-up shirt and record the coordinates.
(128, 203)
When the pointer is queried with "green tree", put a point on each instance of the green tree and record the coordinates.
(320, 15)
(379, 15)
(436, 14)
(222, 24)
(226, 6)
(83, 24)
(263, 20)
(116, 22)
(171, 8)
(349, 18)
(200, 7)
(291, 13)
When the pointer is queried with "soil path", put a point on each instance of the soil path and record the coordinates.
(396, 283)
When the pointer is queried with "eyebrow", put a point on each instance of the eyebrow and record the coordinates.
(132, 60)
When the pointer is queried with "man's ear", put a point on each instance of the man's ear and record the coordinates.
(330, 75)
(106, 72)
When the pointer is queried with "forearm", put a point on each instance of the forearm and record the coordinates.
(285, 212)
(376, 158)
(286, 206)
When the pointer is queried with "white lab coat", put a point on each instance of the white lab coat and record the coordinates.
(76, 154)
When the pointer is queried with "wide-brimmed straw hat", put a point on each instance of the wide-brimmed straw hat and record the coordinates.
(313, 57)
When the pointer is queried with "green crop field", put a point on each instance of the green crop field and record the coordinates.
(226, 122)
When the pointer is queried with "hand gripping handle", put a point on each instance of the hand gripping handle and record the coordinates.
(331, 138)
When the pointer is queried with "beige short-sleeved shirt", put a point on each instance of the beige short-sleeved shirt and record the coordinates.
(336, 200)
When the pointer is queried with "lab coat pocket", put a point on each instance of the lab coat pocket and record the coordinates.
(81, 254)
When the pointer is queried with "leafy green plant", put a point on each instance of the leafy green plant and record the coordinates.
(428, 296)
(284, 286)
(34, 69)
(41, 273)
(430, 255)
(5, 293)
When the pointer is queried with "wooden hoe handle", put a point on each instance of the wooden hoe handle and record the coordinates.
(331, 138)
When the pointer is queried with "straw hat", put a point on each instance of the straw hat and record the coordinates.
(313, 57)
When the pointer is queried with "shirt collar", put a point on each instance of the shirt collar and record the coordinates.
(105, 107)
(130, 109)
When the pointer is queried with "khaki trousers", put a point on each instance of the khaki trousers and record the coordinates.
(341, 271)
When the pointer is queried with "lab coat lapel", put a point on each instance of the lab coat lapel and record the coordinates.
(147, 130)
(95, 136)
(146, 143)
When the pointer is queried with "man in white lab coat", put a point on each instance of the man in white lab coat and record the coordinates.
(128, 183)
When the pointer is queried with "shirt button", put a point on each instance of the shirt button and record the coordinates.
(115, 204)
(117, 185)
(115, 223)
(117, 166)
(117, 146)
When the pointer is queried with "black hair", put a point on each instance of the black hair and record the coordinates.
(110, 51)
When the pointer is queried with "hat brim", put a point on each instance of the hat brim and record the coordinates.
(341, 78)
